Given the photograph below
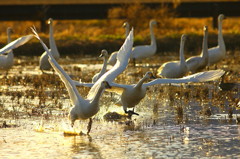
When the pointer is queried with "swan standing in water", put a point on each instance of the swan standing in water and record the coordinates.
(104, 54)
(217, 53)
(6, 53)
(144, 51)
(113, 57)
(197, 63)
(175, 69)
(86, 108)
(141, 51)
(43, 62)
(131, 95)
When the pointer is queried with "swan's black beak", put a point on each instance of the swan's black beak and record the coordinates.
(101, 55)
(153, 77)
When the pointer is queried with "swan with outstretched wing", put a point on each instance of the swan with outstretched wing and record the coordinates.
(131, 95)
(82, 108)
(86, 108)
(6, 53)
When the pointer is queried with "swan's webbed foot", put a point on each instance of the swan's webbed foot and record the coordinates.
(130, 113)
(89, 126)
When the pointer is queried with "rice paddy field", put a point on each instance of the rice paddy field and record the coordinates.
(198, 120)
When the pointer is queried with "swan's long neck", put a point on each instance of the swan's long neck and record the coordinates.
(205, 46)
(97, 95)
(153, 39)
(53, 46)
(140, 82)
(9, 39)
(221, 43)
(181, 52)
(127, 30)
(104, 67)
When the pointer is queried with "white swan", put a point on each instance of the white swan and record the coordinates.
(82, 108)
(6, 53)
(104, 54)
(175, 69)
(141, 51)
(131, 95)
(43, 62)
(217, 53)
(86, 108)
(197, 63)
(113, 57)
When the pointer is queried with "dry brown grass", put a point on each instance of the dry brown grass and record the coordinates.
(98, 29)
(94, 35)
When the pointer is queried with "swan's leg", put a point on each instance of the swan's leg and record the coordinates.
(134, 62)
(42, 71)
(130, 112)
(89, 125)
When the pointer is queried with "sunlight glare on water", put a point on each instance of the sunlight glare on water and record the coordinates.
(174, 122)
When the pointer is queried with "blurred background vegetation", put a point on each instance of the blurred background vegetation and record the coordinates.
(88, 37)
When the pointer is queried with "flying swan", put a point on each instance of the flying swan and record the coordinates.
(6, 53)
(86, 108)
(131, 95)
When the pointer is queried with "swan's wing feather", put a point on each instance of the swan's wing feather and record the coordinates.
(70, 85)
(123, 56)
(118, 88)
(197, 77)
(205, 76)
(16, 43)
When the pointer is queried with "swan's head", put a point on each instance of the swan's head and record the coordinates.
(184, 37)
(105, 84)
(72, 116)
(50, 20)
(152, 22)
(125, 25)
(221, 17)
(205, 28)
(9, 30)
(104, 53)
(149, 75)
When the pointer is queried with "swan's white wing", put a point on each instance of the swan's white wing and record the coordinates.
(16, 43)
(121, 64)
(77, 83)
(197, 77)
(118, 88)
(70, 85)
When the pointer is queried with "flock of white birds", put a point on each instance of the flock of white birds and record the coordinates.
(131, 95)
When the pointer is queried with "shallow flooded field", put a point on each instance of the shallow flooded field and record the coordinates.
(185, 121)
